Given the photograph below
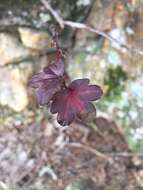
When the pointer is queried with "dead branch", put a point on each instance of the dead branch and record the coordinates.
(125, 154)
(92, 150)
(106, 156)
(78, 25)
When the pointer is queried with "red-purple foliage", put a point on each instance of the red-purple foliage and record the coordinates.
(67, 101)
(75, 99)
(48, 82)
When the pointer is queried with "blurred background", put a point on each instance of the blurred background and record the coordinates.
(35, 152)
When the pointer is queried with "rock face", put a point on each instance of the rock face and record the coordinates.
(11, 48)
(14, 78)
(34, 39)
(13, 90)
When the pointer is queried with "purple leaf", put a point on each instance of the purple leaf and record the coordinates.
(48, 82)
(46, 91)
(75, 99)
(56, 69)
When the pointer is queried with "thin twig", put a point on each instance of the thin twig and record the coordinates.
(78, 25)
(92, 150)
(53, 13)
(107, 156)
(125, 154)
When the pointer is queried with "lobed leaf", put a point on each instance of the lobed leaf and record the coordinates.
(48, 82)
(70, 102)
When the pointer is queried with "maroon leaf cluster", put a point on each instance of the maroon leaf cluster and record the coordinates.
(48, 82)
(67, 101)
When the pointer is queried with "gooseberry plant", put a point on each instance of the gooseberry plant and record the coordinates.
(68, 101)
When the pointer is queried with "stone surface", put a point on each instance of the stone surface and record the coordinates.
(14, 78)
(35, 39)
(13, 90)
(11, 48)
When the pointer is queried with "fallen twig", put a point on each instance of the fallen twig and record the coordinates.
(106, 156)
(125, 154)
(92, 150)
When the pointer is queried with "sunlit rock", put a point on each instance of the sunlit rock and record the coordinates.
(11, 49)
(35, 39)
(13, 87)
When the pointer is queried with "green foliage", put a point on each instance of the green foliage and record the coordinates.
(135, 144)
(82, 56)
(114, 80)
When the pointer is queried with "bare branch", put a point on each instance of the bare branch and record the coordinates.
(53, 13)
(125, 154)
(78, 25)
(92, 150)
(106, 156)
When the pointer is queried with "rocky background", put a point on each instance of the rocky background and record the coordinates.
(105, 153)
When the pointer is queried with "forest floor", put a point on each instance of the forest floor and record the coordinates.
(37, 154)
